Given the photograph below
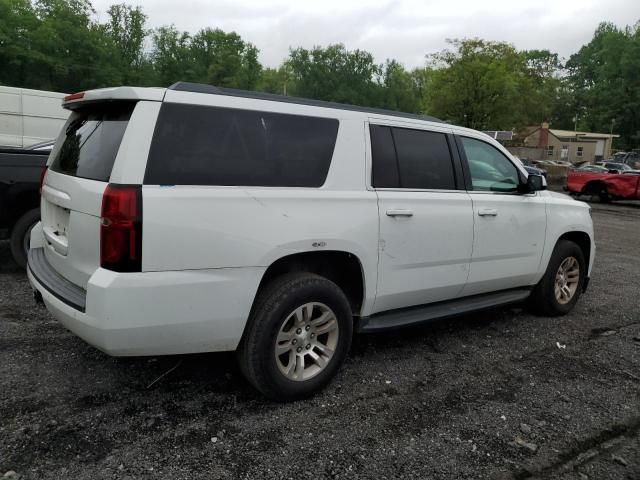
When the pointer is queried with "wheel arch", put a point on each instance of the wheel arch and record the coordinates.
(593, 187)
(19, 202)
(343, 268)
(582, 239)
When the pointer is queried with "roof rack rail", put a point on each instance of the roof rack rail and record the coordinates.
(232, 92)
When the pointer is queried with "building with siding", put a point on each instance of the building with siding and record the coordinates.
(568, 145)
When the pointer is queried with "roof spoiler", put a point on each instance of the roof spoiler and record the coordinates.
(115, 94)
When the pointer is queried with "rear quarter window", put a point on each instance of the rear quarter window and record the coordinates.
(200, 145)
(92, 140)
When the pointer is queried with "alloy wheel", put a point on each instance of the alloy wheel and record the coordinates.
(306, 341)
(567, 279)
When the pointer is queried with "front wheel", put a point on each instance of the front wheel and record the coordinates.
(561, 286)
(298, 335)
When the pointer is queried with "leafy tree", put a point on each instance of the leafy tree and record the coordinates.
(274, 80)
(478, 84)
(224, 59)
(171, 56)
(60, 45)
(335, 74)
(605, 79)
(400, 91)
(422, 81)
(18, 58)
(541, 85)
(71, 46)
(126, 30)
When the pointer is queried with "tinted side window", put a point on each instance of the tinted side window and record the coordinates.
(385, 163)
(406, 158)
(198, 145)
(92, 141)
(424, 159)
(490, 170)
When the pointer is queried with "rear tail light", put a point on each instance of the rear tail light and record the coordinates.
(121, 228)
(43, 174)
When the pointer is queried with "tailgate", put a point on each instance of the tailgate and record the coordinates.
(79, 171)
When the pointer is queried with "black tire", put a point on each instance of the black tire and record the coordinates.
(603, 195)
(19, 233)
(274, 304)
(543, 298)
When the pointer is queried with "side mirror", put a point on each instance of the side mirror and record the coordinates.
(534, 183)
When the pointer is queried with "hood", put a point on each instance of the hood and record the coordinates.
(563, 196)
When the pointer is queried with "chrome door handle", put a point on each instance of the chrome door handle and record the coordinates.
(396, 212)
(487, 212)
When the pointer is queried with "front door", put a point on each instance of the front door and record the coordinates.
(509, 227)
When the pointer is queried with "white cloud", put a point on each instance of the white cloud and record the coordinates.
(402, 29)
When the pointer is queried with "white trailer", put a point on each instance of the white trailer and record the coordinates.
(29, 116)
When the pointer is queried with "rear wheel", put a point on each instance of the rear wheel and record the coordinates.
(298, 335)
(562, 283)
(21, 235)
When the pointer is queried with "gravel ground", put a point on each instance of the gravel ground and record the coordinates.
(497, 395)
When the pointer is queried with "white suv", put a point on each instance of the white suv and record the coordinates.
(199, 219)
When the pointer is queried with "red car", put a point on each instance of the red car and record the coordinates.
(608, 186)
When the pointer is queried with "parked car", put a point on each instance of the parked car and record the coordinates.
(198, 219)
(593, 168)
(563, 163)
(544, 163)
(528, 166)
(629, 158)
(604, 184)
(536, 171)
(614, 167)
(20, 173)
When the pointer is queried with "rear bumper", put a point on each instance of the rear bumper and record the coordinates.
(55, 284)
(154, 313)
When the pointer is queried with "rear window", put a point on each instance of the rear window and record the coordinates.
(412, 159)
(92, 141)
(199, 145)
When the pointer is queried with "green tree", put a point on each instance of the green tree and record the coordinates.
(604, 76)
(171, 56)
(53, 44)
(126, 29)
(541, 86)
(422, 80)
(276, 80)
(399, 89)
(479, 84)
(18, 59)
(335, 74)
(224, 59)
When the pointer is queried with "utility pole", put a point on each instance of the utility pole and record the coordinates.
(613, 121)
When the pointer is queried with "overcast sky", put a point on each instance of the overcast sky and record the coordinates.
(402, 29)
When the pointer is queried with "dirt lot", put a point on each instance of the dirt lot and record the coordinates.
(498, 395)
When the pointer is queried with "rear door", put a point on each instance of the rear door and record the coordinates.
(426, 219)
(79, 170)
